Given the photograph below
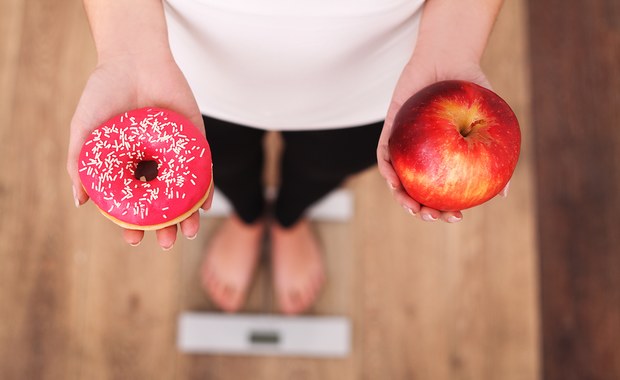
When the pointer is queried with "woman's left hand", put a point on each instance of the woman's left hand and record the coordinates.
(417, 74)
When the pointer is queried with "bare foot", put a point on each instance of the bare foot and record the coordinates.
(298, 269)
(230, 262)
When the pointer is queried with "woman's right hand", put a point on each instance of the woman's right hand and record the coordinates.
(120, 83)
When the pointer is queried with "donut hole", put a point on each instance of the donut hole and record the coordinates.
(146, 171)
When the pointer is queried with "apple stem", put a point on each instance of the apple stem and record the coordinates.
(465, 131)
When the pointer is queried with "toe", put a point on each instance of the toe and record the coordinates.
(285, 302)
(206, 276)
(310, 295)
(231, 299)
(294, 302)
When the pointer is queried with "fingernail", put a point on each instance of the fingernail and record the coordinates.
(167, 248)
(428, 217)
(410, 211)
(135, 244)
(391, 186)
(75, 198)
(193, 236)
(454, 219)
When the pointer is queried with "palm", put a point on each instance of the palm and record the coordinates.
(415, 77)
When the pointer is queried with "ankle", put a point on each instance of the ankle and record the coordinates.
(258, 224)
(297, 226)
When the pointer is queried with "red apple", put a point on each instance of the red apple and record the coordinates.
(454, 145)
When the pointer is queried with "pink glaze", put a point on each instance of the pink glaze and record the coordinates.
(111, 154)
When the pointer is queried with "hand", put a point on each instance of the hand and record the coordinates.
(121, 83)
(418, 74)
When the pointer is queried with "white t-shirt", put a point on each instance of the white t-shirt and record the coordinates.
(296, 64)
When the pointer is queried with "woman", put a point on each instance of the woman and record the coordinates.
(329, 75)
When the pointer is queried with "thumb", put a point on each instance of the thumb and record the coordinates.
(75, 145)
(79, 194)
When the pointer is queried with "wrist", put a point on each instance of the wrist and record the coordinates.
(456, 33)
(140, 56)
(128, 29)
(443, 64)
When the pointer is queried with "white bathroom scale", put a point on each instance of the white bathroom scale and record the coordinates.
(336, 206)
(262, 334)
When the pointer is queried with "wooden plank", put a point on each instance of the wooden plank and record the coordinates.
(575, 51)
(36, 275)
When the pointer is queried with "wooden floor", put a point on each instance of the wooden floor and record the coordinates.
(427, 301)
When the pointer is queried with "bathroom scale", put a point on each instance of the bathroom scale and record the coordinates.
(264, 334)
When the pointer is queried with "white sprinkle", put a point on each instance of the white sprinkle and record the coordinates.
(202, 152)
(192, 181)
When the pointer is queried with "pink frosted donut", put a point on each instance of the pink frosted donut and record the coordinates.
(146, 169)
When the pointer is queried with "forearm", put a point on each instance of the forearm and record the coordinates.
(456, 30)
(127, 27)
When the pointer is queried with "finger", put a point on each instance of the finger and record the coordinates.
(429, 215)
(207, 204)
(504, 192)
(79, 195)
(451, 216)
(191, 225)
(133, 237)
(385, 167)
(166, 237)
(408, 203)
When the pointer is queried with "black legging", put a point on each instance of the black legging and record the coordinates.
(313, 164)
